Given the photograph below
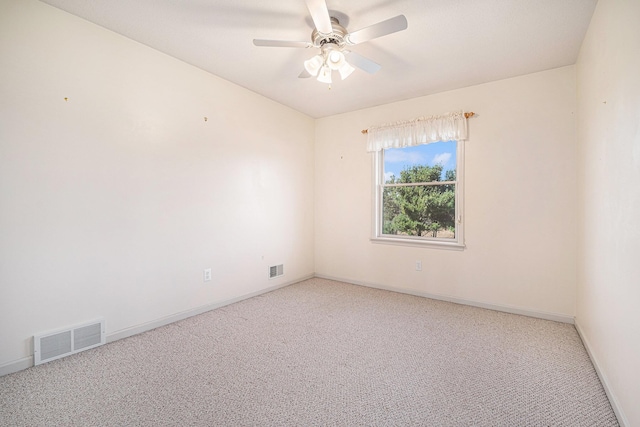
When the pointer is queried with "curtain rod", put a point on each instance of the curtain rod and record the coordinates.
(466, 115)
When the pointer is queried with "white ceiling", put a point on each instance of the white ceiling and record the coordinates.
(449, 44)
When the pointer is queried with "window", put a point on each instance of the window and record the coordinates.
(418, 198)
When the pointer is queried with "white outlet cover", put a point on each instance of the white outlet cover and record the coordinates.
(207, 275)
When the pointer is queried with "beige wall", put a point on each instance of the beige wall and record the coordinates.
(520, 198)
(113, 202)
(609, 145)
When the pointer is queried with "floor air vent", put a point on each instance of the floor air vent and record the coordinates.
(276, 271)
(54, 345)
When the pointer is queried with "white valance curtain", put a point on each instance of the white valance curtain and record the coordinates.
(423, 130)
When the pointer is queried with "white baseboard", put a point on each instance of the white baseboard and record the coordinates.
(27, 362)
(496, 307)
(15, 366)
(622, 420)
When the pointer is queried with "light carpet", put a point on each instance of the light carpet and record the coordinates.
(322, 353)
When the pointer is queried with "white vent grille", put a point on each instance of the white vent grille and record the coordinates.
(276, 271)
(54, 345)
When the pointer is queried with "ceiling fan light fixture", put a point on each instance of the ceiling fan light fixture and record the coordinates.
(313, 65)
(345, 70)
(325, 74)
(332, 38)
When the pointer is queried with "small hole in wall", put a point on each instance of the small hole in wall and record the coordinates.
(205, 119)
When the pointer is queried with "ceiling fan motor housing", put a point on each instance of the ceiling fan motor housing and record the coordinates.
(337, 37)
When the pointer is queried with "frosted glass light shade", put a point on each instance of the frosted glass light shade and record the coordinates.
(346, 70)
(335, 59)
(313, 65)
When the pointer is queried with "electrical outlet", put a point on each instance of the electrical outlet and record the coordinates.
(207, 275)
(418, 265)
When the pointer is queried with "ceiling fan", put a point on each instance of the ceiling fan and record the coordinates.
(333, 40)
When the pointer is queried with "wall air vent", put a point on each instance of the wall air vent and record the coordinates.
(276, 271)
(63, 342)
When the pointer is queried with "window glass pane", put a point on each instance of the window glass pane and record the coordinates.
(420, 210)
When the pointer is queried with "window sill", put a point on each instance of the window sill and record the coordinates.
(434, 244)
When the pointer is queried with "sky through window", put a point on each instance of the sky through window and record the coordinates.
(398, 159)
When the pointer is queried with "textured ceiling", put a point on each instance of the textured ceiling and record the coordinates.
(449, 44)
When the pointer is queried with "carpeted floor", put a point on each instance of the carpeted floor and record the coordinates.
(322, 353)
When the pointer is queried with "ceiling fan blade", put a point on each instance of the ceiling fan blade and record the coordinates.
(280, 43)
(361, 62)
(304, 74)
(380, 29)
(320, 15)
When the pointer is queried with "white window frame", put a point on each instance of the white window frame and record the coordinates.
(432, 242)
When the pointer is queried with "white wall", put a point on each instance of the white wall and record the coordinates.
(608, 313)
(520, 198)
(112, 203)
